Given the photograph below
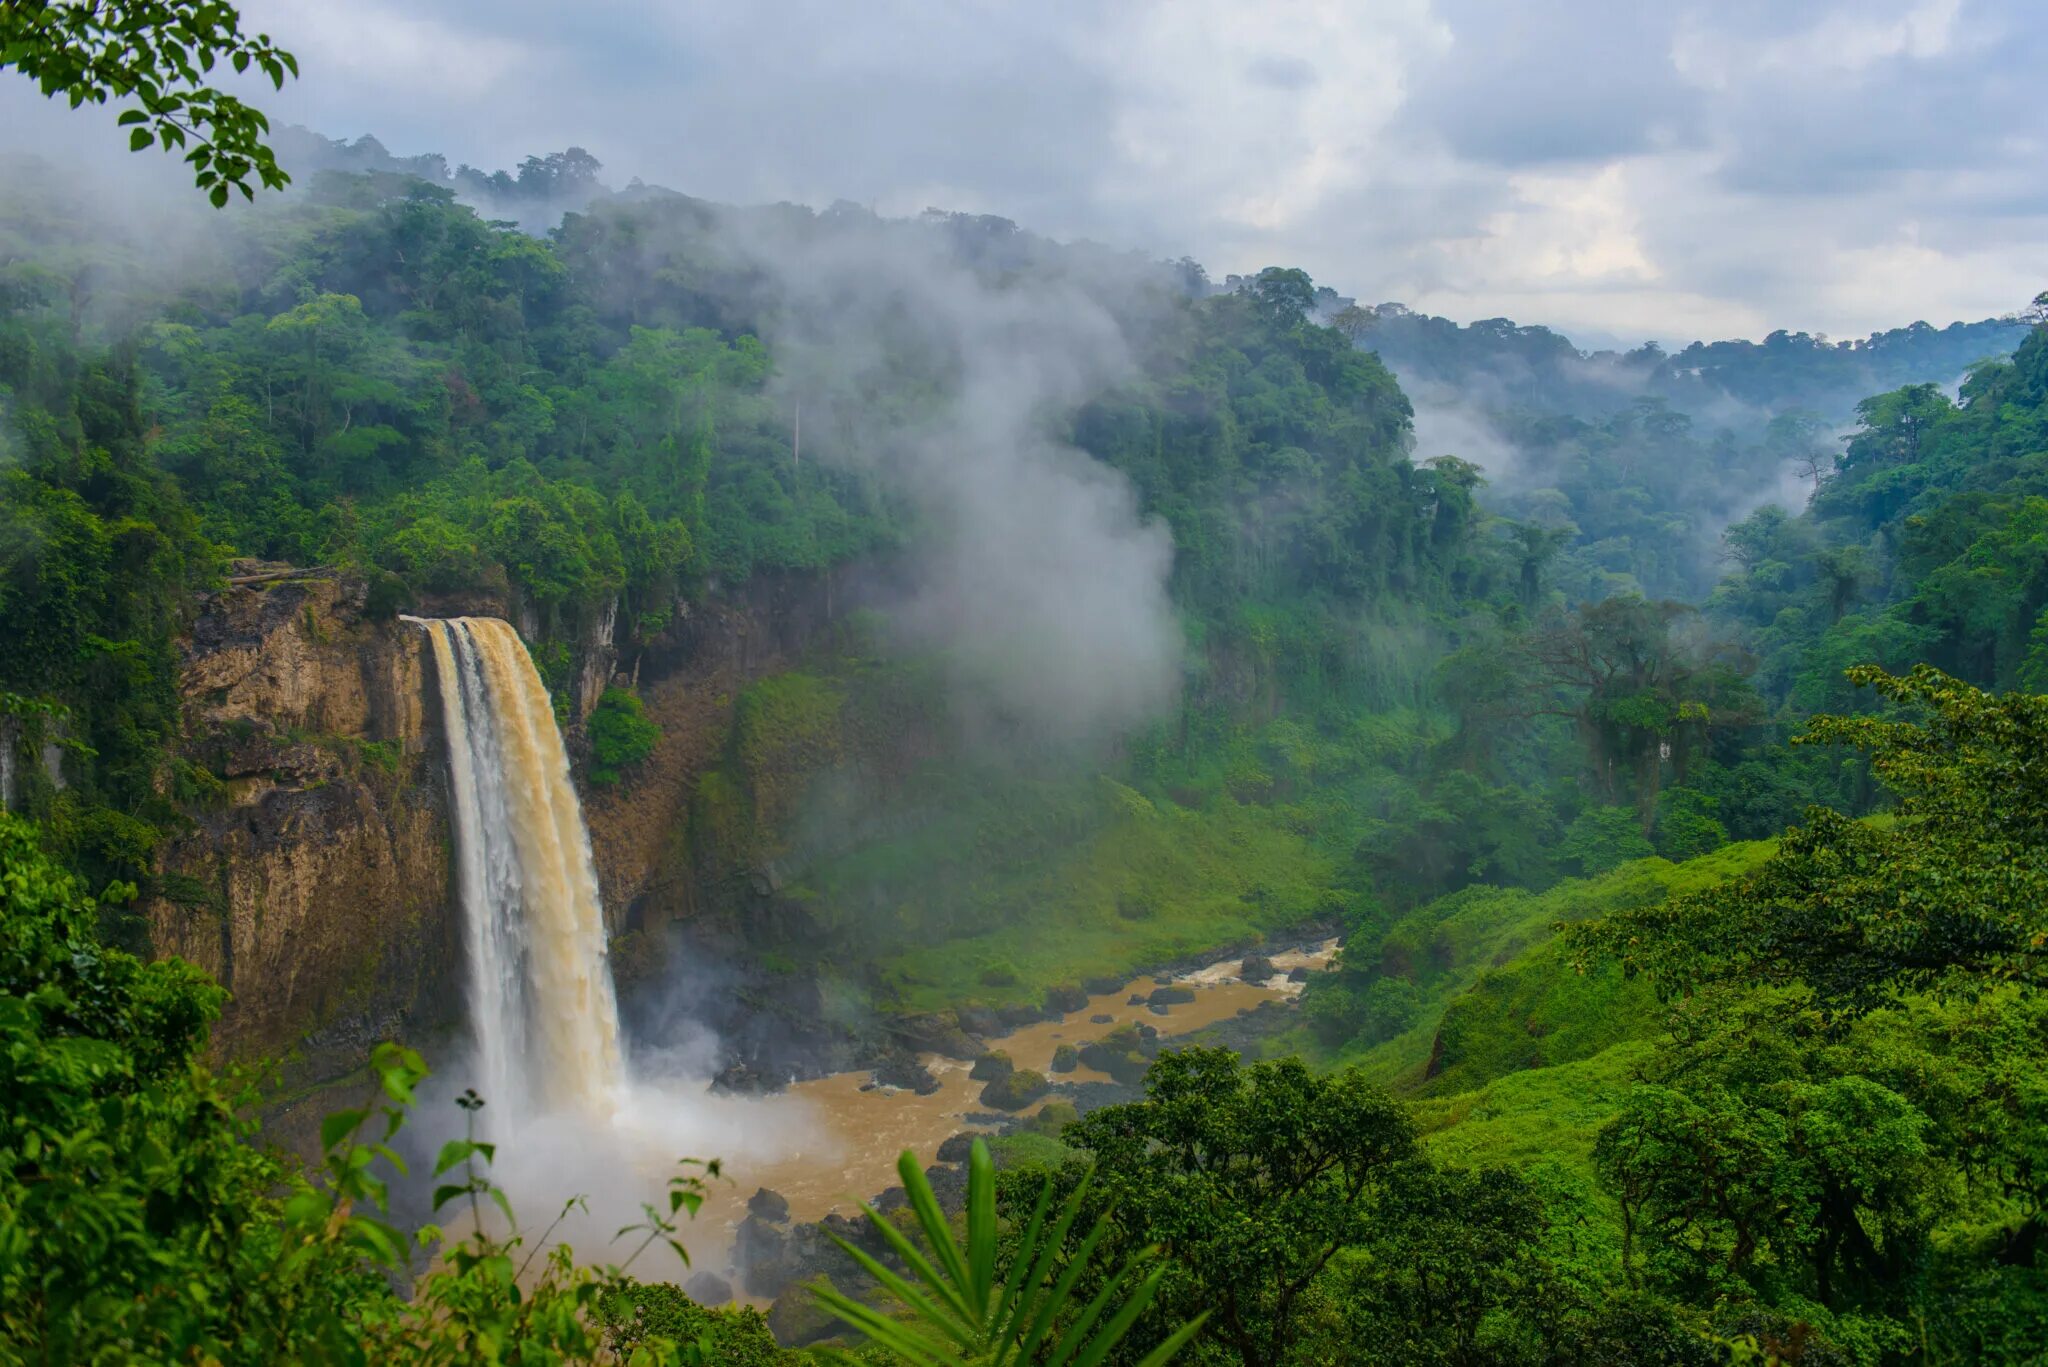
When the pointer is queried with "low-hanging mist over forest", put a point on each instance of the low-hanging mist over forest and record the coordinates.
(708, 618)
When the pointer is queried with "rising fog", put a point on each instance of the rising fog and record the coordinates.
(1034, 571)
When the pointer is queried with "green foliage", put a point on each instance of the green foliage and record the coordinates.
(1922, 544)
(961, 1312)
(1686, 825)
(1948, 897)
(1251, 1179)
(1828, 1186)
(621, 735)
(1490, 990)
(1603, 838)
(636, 1314)
(138, 1220)
(156, 53)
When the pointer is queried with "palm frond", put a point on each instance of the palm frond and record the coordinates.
(962, 1316)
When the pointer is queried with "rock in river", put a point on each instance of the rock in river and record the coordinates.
(1014, 1091)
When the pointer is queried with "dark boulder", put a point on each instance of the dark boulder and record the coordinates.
(1256, 968)
(1065, 1058)
(1298, 975)
(979, 1020)
(1016, 1090)
(1102, 1019)
(1121, 1054)
(1102, 987)
(766, 1260)
(959, 1148)
(903, 1069)
(992, 1066)
(949, 1185)
(1064, 998)
(741, 1078)
(769, 1205)
(708, 1288)
(1174, 994)
(938, 1033)
(797, 1320)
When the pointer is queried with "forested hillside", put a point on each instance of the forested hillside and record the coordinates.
(1658, 1034)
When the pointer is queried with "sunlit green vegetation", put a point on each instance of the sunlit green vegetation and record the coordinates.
(1654, 1037)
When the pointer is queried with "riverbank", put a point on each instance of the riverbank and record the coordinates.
(857, 1125)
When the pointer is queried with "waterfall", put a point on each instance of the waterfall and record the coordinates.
(540, 989)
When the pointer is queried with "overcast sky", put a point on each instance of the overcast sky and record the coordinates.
(1612, 168)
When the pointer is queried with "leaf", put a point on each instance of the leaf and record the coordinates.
(981, 1225)
(452, 1152)
(138, 140)
(447, 1192)
(337, 1126)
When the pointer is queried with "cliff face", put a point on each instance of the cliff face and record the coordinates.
(688, 682)
(316, 883)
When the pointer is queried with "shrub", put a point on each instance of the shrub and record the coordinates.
(620, 736)
(1687, 824)
(1601, 838)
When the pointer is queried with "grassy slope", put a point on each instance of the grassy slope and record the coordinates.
(963, 881)
(1532, 1057)
(1496, 993)
(1146, 882)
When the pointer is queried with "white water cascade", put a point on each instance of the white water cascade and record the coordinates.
(540, 988)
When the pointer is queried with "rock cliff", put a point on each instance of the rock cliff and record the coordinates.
(315, 884)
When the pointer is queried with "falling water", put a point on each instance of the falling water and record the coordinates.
(540, 990)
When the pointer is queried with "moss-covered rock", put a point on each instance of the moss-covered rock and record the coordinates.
(937, 1032)
(1016, 1090)
(1053, 1118)
(993, 1066)
(796, 1318)
(1064, 998)
(1122, 1054)
(1065, 1058)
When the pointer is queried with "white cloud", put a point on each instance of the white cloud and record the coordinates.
(1678, 171)
(379, 48)
(1851, 39)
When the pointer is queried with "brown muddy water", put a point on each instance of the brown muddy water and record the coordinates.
(847, 1146)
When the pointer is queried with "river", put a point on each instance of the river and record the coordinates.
(852, 1130)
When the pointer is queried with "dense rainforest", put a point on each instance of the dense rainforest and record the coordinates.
(1687, 847)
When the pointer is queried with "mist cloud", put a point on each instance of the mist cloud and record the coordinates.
(1036, 575)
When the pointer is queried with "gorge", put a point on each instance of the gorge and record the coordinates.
(801, 688)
